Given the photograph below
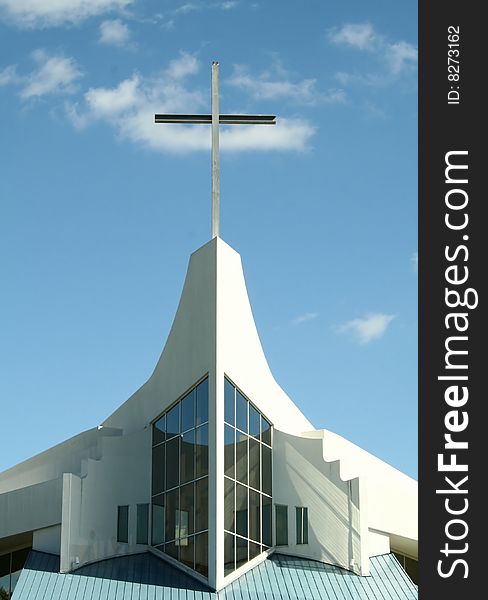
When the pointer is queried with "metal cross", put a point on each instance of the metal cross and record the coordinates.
(216, 119)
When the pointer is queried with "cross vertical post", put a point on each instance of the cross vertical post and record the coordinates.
(215, 152)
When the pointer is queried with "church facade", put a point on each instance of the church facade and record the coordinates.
(209, 467)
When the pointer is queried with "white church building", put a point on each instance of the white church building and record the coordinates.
(209, 470)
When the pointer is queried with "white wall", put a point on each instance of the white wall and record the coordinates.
(30, 508)
(301, 477)
(121, 477)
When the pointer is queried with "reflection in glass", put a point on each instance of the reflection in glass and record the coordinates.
(188, 411)
(202, 403)
(241, 411)
(265, 431)
(241, 510)
(229, 402)
(201, 504)
(266, 466)
(241, 552)
(187, 552)
(241, 457)
(187, 502)
(254, 550)
(201, 451)
(171, 549)
(229, 433)
(187, 465)
(229, 553)
(201, 553)
(173, 421)
(229, 500)
(158, 469)
(172, 504)
(254, 464)
(159, 430)
(157, 520)
(254, 424)
(172, 463)
(254, 516)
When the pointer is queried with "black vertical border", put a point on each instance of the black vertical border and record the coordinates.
(446, 127)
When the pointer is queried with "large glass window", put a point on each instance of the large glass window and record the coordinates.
(142, 523)
(248, 480)
(180, 480)
(281, 525)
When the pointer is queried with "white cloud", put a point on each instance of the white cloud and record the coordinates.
(129, 108)
(369, 328)
(266, 87)
(9, 75)
(358, 35)
(55, 74)
(46, 13)
(309, 316)
(184, 9)
(396, 57)
(400, 56)
(229, 5)
(114, 33)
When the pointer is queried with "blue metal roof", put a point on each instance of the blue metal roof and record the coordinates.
(146, 577)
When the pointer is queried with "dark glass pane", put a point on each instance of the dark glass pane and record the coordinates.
(187, 505)
(412, 568)
(18, 559)
(241, 411)
(299, 524)
(173, 421)
(254, 424)
(172, 463)
(266, 470)
(123, 524)
(267, 536)
(159, 430)
(241, 457)
(187, 551)
(254, 464)
(305, 525)
(229, 499)
(187, 465)
(281, 525)
(241, 510)
(158, 469)
(201, 451)
(241, 552)
(5, 582)
(157, 520)
(172, 516)
(5, 568)
(229, 467)
(254, 516)
(201, 553)
(201, 504)
(188, 411)
(172, 549)
(265, 431)
(142, 523)
(254, 550)
(202, 403)
(229, 553)
(229, 402)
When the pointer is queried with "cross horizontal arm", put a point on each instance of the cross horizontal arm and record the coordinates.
(223, 119)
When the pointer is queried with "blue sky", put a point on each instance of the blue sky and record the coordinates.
(100, 208)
